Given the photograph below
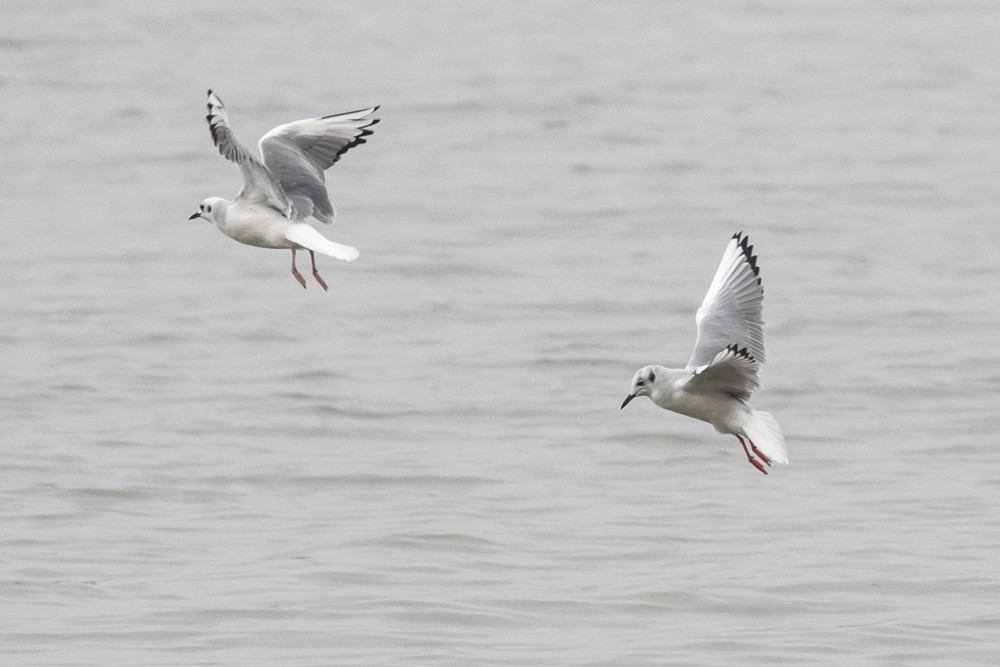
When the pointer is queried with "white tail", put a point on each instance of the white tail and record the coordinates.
(310, 239)
(765, 433)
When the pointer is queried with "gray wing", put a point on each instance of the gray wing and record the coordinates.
(731, 314)
(298, 153)
(732, 371)
(258, 185)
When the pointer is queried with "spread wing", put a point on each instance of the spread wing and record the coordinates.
(733, 371)
(730, 317)
(298, 153)
(258, 185)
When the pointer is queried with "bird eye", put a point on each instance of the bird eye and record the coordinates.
(639, 382)
(201, 207)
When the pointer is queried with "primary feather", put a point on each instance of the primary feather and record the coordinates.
(731, 313)
(298, 153)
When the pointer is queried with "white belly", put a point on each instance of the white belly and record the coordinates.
(724, 412)
(256, 225)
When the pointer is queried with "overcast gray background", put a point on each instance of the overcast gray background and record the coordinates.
(203, 463)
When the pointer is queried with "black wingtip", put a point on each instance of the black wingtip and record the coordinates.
(211, 93)
(741, 352)
(348, 113)
(743, 241)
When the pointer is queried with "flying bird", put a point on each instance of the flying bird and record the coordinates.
(718, 381)
(285, 186)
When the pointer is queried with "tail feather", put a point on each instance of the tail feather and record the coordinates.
(310, 239)
(765, 433)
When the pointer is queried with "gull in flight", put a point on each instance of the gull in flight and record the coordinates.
(717, 382)
(286, 186)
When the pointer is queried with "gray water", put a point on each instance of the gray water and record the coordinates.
(203, 463)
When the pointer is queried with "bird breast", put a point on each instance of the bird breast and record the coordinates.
(725, 415)
(256, 225)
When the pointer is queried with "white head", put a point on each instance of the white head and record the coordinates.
(211, 209)
(642, 384)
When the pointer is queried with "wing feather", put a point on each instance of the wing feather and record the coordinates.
(733, 371)
(258, 184)
(298, 153)
(731, 314)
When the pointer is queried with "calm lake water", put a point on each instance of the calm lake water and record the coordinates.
(204, 464)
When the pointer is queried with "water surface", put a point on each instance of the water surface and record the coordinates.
(205, 464)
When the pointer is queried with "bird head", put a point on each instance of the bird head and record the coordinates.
(642, 384)
(209, 209)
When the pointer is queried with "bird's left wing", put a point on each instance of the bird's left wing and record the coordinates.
(298, 153)
(258, 184)
(733, 371)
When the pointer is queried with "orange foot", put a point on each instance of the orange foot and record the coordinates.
(750, 457)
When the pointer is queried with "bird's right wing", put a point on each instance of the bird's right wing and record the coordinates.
(731, 314)
(298, 153)
(258, 185)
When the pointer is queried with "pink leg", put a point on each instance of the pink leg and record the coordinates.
(759, 453)
(322, 284)
(756, 464)
(295, 271)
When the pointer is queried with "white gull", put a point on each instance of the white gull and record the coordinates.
(286, 186)
(717, 382)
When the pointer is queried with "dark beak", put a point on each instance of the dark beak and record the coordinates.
(627, 400)
(196, 215)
